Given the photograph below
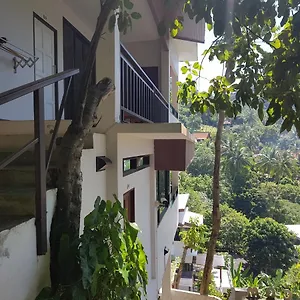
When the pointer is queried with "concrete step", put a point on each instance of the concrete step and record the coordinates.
(17, 178)
(26, 160)
(17, 201)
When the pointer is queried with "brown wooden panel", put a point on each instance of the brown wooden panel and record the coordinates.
(174, 155)
(129, 205)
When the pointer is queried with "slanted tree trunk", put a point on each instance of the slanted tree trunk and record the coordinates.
(66, 219)
(216, 215)
(182, 262)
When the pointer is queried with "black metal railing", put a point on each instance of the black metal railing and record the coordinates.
(41, 162)
(140, 97)
(174, 111)
(162, 209)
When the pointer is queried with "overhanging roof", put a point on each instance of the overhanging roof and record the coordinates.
(173, 145)
(155, 131)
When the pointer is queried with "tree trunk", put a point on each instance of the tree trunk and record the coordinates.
(66, 220)
(182, 262)
(216, 216)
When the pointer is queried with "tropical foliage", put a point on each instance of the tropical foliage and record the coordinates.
(111, 259)
(270, 246)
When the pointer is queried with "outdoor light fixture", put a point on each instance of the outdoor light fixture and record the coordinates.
(102, 162)
(166, 251)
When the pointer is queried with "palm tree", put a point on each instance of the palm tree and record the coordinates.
(236, 157)
(277, 164)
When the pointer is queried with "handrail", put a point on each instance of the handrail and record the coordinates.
(134, 64)
(28, 88)
(41, 165)
(14, 156)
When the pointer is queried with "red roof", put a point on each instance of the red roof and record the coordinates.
(201, 135)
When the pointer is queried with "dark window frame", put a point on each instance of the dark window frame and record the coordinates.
(134, 164)
(130, 206)
(167, 193)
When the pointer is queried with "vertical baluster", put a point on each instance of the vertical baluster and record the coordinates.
(40, 172)
(127, 86)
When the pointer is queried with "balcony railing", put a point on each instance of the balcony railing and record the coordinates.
(140, 98)
(174, 111)
(163, 208)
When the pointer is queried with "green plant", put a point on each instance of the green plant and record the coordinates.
(212, 289)
(270, 246)
(111, 258)
(292, 280)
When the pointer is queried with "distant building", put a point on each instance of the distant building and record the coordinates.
(201, 136)
(296, 230)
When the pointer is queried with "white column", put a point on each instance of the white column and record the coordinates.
(165, 76)
(108, 65)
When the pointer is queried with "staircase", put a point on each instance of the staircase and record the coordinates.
(17, 189)
(23, 169)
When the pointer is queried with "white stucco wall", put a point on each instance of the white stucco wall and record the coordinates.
(147, 53)
(16, 23)
(143, 182)
(94, 183)
(22, 273)
(178, 250)
(165, 237)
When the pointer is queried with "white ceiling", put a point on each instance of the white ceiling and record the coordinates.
(87, 10)
(144, 29)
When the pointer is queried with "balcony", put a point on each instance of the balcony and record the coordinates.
(141, 101)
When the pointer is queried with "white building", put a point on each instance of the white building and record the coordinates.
(138, 130)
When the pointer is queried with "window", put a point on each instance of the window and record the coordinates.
(129, 164)
(163, 185)
(134, 164)
(163, 191)
(129, 205)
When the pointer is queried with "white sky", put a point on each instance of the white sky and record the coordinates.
(211, 69)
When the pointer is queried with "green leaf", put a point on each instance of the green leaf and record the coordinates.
(226, 55)
(197, 66)
(276, 43)
(184, 69)
(133, 230)
(209, 26)
(195, 72)
(112, 23)
(128, 4)
(135, 15)
(174, 32)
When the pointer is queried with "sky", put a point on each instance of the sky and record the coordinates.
(211, 69)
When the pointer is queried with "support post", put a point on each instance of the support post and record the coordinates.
(40, 172)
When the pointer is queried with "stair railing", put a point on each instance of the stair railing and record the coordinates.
(41, 162)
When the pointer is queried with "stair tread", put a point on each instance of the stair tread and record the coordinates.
(8, 222)
(17, 190)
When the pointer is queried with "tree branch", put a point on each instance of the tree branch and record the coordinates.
(256, 35)
(106, 10)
